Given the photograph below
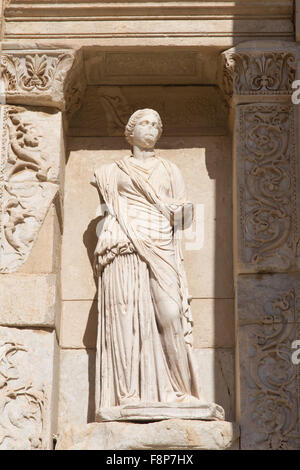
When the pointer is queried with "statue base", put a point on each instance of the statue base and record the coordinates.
(175, 434)
(161, 411)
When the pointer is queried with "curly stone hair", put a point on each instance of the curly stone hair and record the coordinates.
(133, 120)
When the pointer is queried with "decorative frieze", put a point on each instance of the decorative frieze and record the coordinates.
(267, 225)
(269, 381)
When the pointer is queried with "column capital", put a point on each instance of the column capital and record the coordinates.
(255, 71)
(40, 77)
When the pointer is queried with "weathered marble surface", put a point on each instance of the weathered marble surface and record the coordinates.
(184, 24)
(169, 434)
(76, 399)
(28, 299)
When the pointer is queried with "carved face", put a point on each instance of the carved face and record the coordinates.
(146, 131)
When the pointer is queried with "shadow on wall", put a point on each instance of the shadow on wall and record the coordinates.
(90, 241)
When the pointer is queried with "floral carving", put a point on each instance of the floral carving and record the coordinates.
(273, 380)
(22, 406)
(268, 223)
(258, 73)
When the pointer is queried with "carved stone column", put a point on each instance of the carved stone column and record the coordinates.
(257, 80)
(38, 89)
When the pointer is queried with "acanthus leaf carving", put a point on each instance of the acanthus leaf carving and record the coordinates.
(36, 74)
(258, 73)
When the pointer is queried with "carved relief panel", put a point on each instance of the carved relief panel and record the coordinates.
(29, 177)
(267, 192)
(25, 389)
(269, 380)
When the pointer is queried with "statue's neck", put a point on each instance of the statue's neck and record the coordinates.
(142, 154)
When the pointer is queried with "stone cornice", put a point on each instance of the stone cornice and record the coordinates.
(219, 23)
(170, 8)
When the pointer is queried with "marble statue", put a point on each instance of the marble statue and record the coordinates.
(145, 361)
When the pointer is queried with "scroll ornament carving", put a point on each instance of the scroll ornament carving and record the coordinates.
(263, 73)
(35, 73)
(26, 188)
(22, 406)
(273, 388)
(268, 219)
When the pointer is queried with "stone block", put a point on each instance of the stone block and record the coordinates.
(269, 379)
(76, 402)
(208, 24)
(27, 386)
(28, 300)
(79, 322)
(45, 254)
(168, 434)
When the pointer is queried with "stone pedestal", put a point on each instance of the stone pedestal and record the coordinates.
(161, 411)
(167, 434)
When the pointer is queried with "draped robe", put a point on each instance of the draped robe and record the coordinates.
(138, 249)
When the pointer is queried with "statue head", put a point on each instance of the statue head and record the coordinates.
(144, 128)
